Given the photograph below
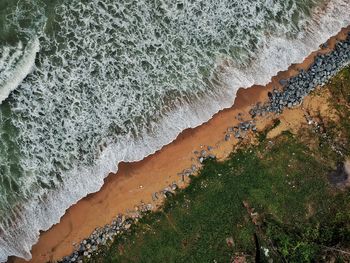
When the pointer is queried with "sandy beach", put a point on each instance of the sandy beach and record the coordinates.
(136, 182)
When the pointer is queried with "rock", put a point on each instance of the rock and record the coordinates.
(81, 248)
(155, 196)
(227, 137)
(283, 82)
(237, 135)
(174, 186)
(193, 168)
(188, 172)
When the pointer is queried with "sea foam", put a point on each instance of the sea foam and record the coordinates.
(16, 65)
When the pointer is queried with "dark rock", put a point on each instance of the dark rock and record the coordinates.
(283, 82)
(324, 45)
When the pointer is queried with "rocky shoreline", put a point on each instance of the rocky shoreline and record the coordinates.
(103, 236)
(291, 95)
(296, 88)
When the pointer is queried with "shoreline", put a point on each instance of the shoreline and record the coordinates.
(237, 207)
(136, 182)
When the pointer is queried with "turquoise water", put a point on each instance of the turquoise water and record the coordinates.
(87, 84)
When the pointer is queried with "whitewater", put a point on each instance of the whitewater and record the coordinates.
(85, 85)
(11, 77)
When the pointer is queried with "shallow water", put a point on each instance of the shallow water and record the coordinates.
(87, 84)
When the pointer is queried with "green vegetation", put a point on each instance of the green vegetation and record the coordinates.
(340, 99)
(271, 201)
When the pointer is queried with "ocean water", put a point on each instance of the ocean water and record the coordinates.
(86, 84)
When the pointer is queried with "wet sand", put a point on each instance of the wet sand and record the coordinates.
(136, 182)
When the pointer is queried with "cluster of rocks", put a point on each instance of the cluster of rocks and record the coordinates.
(102, 236)
(166, 192)
(201, 156)
(189, 171)
(120, 224)
(241, 130)
(296, 88)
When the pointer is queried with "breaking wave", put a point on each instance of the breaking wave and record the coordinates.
(15, 64)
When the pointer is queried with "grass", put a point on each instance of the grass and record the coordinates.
(271, 201)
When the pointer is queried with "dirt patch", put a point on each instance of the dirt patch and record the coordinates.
(314, 110)
(340, 177)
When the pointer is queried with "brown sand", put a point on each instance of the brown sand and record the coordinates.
(312, 108)
(135, 182)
